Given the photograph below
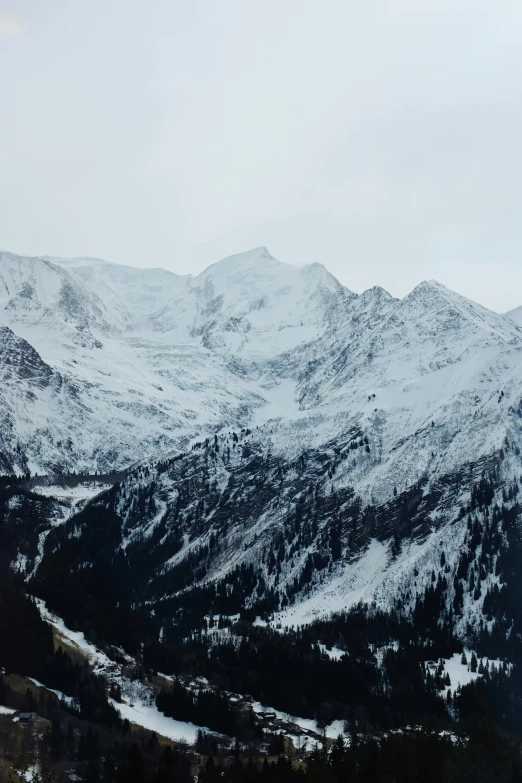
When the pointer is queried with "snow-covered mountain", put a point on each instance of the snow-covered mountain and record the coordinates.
(143, 361)
(295, 444)
(148, 359)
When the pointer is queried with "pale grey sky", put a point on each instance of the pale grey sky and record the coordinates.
(381, 138)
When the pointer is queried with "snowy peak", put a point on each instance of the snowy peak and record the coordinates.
(516, 315)
(37, 293)
(398, 365)
(28, 283)
(19, 360)
(249, 304)
(376, 293)
(432, 300)
(250, 259)
(271, 307)
(373, 303)
(242, 273)
(139, 300)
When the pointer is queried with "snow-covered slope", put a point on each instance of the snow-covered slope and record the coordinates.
(516, 315)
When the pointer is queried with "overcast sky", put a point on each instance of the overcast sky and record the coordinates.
(381, 138)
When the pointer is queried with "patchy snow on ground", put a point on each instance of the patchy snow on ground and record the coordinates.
(76, 638)
(334, 729)
(30, 774)
(334, 653)
(460, 673)
(73, 499)
(306, 724)
(69, 700)
(6, 710)
(141, 710)
(356, 583)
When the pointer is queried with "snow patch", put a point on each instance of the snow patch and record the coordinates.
(149, 717)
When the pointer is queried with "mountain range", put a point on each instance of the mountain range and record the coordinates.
(298, 445)
(254, 509)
